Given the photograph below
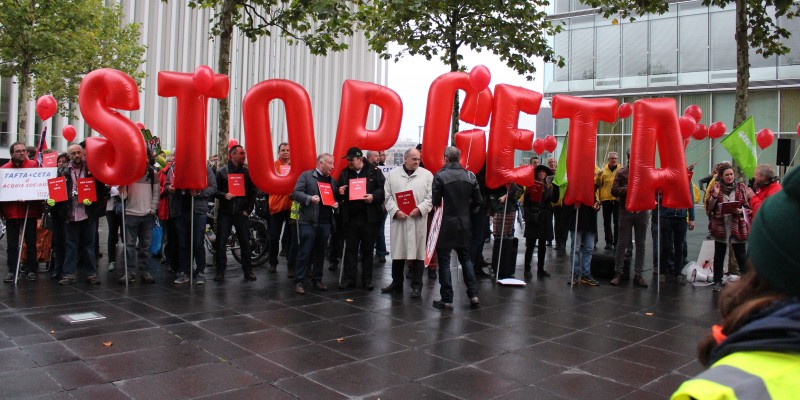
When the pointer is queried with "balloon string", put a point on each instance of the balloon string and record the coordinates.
(708, 152)
(610, 136)
(795, 155)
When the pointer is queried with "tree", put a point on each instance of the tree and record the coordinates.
(319, 24)
(514, 30)
(755, 28)
(50, 45)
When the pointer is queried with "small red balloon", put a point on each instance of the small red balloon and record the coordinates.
(232, 142)
(140, 126)
(695, 112)
(716, 130)
(46, 107)
(688, 126)
(798, 129)
(479, 78)
(538, 146)
(764, 138)
(700, 133)
(550, 143)
(68, 133)
(625, 110)
(203, 78)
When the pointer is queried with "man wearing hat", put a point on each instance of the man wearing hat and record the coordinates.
(360, 212)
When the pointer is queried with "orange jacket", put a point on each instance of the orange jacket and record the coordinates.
(278, 203)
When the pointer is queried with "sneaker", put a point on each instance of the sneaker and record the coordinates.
(111, 266)
(716, 287)
(9, 277)
(639, 281)
(588, 280)
(67, 280)
(574, 282)
(147, 278)
(200, 279)
(442, 305)
(182, 278)
(128, 278)
(32, 276)
(299, 289)
(93, 279)
(609, 246)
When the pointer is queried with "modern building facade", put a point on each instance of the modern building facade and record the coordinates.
(688, 54)
(177, 39)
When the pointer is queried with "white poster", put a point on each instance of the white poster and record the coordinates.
(22, 184)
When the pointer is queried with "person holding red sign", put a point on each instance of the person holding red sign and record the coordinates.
(15, 213)
(361, 189)
(237, 195)
(315, 190)
(459, 191)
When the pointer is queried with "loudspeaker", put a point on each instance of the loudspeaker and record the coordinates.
(784, 154)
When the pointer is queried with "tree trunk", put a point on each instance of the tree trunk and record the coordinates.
(22, 107)
(224, 61)
(453, 44)
(742, 63)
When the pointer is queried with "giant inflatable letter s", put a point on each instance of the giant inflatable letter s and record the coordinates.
(351, 131)
(506, 137)
(119, 157)
(655, 122)
(583, 116)
(476, 110)
(192, 92)
(300, 126)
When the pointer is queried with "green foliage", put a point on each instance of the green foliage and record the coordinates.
(514, 30)
(57, 42)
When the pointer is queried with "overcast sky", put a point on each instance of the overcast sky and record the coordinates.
(411, 78)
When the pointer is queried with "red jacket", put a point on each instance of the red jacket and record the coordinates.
(763, 193)
(16, 209)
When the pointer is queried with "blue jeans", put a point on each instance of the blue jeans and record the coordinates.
(80, 237)
(141, 228)
(445, 282)
(582, 261)
(183, 228)
(311, 251)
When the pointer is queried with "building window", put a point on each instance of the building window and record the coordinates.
(561, 48)
(790, 109)
(634, 49)
(694, 43)
(723, 44)
(582, 57)
(663, 46)
(607, 52)
(562, 6)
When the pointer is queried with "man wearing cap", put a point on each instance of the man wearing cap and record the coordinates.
(360, 213)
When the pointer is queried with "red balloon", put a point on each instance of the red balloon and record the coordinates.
(46, 107)
(583, 115)
(695, 112)
(550, 143)
(798, 129)
(655, 126)
(300, 128)
(625, 110)
(764, 138)
(118, 158)
(472, 144)
(190, 124)
(140, 126)
(686, 143)
(232, 142)
(479, 78)
(687, 126)
(700, 133)
(716, 130)
(68, 133)
(507, 137)
(538, 146)
(203, 78)
(476, 110)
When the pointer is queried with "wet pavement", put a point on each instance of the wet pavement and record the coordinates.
(247, 340)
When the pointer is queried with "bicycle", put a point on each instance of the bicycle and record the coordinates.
(259, 236)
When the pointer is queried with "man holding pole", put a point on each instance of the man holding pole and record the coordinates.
(19, 214)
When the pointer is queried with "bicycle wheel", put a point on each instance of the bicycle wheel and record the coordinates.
(259, 243)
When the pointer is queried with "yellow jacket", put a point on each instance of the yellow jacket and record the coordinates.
(604, 182)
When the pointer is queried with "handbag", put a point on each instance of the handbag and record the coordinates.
(155, 239)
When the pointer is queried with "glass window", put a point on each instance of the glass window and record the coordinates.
(607, 52)
(793, 42)
(577, 5)
(561, 48)
(790, 109)
(694, 43)
(663, 46)
(582, 57)
(562, 6)
(702, 100)
(763, 106)
(723, 44)
(634, 49)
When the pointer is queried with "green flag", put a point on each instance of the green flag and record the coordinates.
(560, 179)
(741, 143)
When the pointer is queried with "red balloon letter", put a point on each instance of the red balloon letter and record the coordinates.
(656, 122)
(476, 110)
(506, 136)
(583, 116)
(351, 131)
(190, 129)
(299, 123)
(119, 158)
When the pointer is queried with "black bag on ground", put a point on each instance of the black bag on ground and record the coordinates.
(508, 263)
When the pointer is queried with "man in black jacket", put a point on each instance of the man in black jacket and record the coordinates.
(459, 190)
(234, 211)
(359, 216)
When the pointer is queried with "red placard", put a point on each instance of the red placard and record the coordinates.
(57, 188)
(534, 192)
(326, 193)
(358, 188)
(405, 201)
(87, 189)
(284, 170)
(236, 184)
(49, 160)
(728, 207)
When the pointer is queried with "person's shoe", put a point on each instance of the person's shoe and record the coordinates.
(392, 288)
(574, 282)
(93, 279)
(219, 277)
(10, 277)
(474, 302)
(32, 276)
(528, 274)
(381, 259)
(182, 278)
(66, 280)
(716, 287)
(273, 268)
(298, 288)
(200, 279)
(638, 281)
(588, 280)
(147, 278)
(368, 285)
(609, 246)
(415, 293)
(541, 273)
(320, 286)
(250, 276)
(346, 285)
(111, 266)
(55, 277)
(618, 278)
(127, 278)
(556, 247)
(442, 305)
(432, 274)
